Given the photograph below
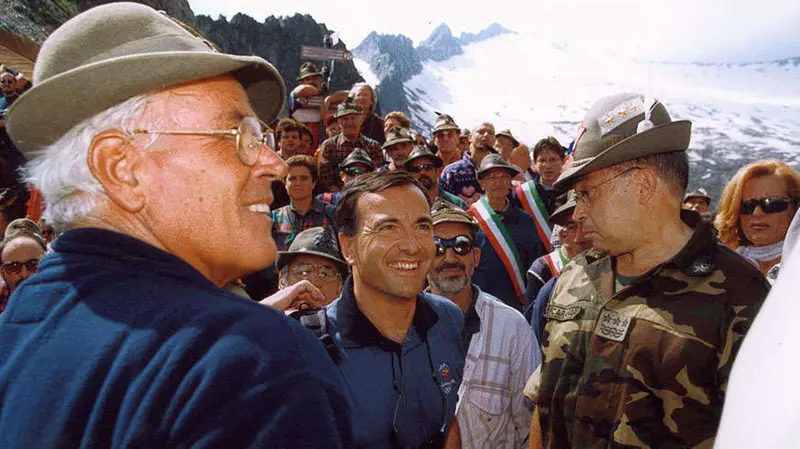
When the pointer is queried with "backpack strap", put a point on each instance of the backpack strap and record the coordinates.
(317, 322)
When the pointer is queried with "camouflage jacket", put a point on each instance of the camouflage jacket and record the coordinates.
(647, 366)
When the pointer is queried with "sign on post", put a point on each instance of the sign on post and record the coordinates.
(324, 54)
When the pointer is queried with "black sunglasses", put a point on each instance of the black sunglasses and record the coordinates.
(6, 81)
(461, 245)
(354, 171)
(421, 168)
(16, 267)
(770, 205)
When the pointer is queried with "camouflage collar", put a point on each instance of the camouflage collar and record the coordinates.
(697, 258)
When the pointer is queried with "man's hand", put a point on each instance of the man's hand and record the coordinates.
(301, 295)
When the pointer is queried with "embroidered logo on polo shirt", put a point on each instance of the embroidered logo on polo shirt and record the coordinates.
(447, 384)
(612, 325)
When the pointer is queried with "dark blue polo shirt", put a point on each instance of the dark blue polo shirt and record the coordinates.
(115, 343)
(389, 384)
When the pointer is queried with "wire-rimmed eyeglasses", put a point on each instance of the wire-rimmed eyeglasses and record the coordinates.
(252, 135)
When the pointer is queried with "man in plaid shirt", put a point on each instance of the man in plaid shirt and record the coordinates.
(335, 149)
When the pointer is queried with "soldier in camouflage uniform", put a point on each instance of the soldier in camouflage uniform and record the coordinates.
(641, 332)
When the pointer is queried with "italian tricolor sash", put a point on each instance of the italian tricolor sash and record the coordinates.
(556, 261)
(533, 204)
(501, 241)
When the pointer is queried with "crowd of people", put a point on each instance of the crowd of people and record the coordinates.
(181, 268)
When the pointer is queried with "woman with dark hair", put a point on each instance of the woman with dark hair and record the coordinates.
(755, 211)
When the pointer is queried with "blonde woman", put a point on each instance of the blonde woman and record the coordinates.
(755, 211)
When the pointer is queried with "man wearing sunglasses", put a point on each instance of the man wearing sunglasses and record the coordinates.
(502, 351)
(354, 165)
(20, 251)
(423, 165)
(161, 184)
(641, 333)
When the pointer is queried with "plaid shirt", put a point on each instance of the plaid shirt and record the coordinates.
(287, 222)
(335, 149)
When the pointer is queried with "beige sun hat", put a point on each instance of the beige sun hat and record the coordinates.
(111, 53)
(615, 130)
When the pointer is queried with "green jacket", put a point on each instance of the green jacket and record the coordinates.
(647, 366)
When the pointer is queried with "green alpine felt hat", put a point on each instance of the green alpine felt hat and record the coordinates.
(507, 133)
(699, 193)
(443, 211)
(111, 53)
(308, 69)
(347, 107)
(419, 152)
(494, 160)
(561, 215)
(614, 130)
(443, 122)
(395, 135)
(316, 241)
(357, 156)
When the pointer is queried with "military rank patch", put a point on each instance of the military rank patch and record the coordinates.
(612, 325)
(625, 111)
(561, 313)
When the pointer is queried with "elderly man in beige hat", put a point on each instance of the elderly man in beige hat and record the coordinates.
(641, 332)
(160, 177)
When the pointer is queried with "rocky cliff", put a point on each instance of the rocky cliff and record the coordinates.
(277, 40)
(394, 60)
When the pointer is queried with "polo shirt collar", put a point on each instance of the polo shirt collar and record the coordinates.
(357, 330)
(472, 322)
(316, 206)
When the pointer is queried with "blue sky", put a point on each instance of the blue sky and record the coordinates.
(673, 30)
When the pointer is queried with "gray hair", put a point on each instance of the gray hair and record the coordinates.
(357, 86)
(60, 171)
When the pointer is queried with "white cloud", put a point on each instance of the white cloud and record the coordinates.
(709, 30)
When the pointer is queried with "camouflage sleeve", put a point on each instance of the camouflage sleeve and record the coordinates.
(743, 313)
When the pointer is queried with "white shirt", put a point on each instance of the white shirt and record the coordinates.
(492, 411)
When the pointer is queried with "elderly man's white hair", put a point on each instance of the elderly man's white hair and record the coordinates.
(61, 171)
(357, 86)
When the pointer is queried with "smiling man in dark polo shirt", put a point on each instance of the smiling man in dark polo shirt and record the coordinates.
(401, 354)
(124, 337)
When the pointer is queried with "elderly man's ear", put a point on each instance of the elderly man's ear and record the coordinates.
(116, 163)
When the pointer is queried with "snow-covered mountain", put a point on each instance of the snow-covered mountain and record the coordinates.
(538, 87)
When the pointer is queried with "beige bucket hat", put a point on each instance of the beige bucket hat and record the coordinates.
(111, 53)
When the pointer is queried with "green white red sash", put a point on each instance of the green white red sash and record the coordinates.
(501, 241)
(533, 204)
(556, 261)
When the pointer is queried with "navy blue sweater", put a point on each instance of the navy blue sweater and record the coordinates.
(115, 343)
